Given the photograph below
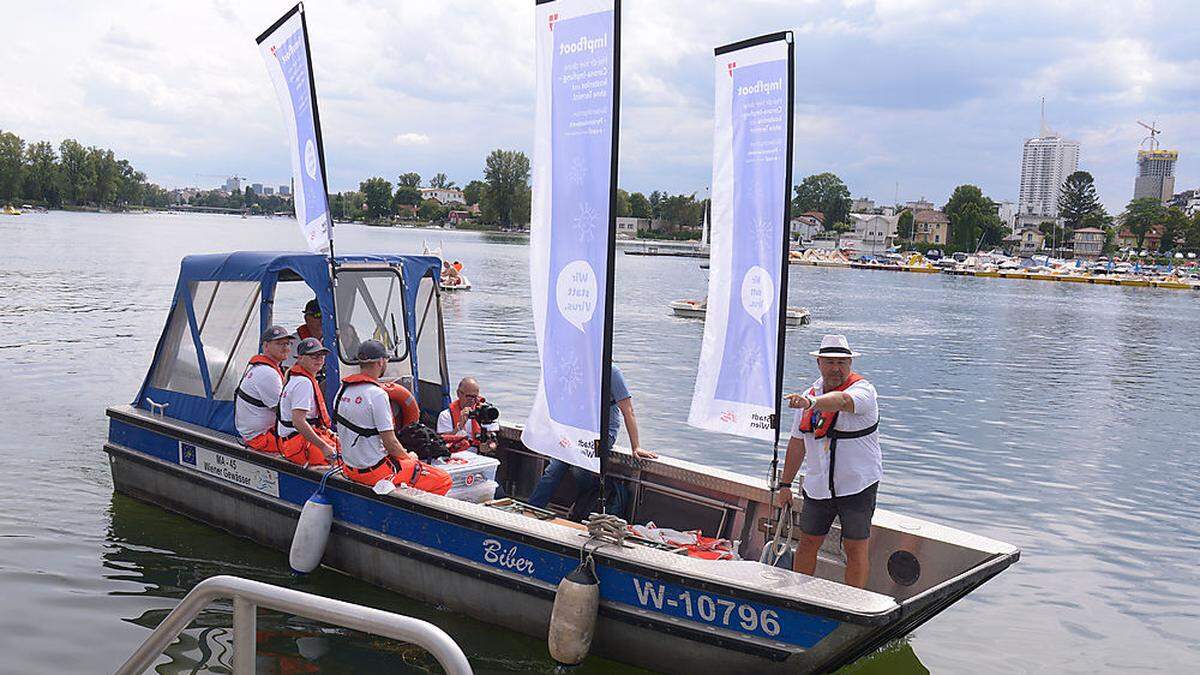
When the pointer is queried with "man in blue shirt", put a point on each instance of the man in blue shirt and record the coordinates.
(587, 483)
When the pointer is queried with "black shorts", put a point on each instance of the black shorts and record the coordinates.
(854, 511)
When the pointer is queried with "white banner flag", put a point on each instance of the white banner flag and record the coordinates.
(736, 386)
(284, 48)
(574, 162)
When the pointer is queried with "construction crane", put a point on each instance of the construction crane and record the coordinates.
(1153, 137)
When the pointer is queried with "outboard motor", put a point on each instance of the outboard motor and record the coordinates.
(312, 531)
(573, 620)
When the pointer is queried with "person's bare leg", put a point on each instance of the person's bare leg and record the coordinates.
(858, 561)
(805, 560)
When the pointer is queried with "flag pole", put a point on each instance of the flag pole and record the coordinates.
(784, 264)
(603, 444)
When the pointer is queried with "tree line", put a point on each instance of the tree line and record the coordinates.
(975, 223)
(503, 197)
(71, 175)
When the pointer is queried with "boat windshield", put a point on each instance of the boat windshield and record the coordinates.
(370, 306)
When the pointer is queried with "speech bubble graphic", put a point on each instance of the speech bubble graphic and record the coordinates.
(575, 293)
(758, 292)
(310, 159)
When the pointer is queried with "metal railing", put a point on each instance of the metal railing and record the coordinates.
(249, 595)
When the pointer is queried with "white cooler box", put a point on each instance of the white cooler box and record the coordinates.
(474, 476)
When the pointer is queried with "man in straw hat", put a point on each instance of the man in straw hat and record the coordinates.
(836, 430)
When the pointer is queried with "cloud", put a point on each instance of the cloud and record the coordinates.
(411, 138)
(922, 93)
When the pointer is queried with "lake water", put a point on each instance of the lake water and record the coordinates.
(1057, 417)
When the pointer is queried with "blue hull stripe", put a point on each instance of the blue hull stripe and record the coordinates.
(700, 607)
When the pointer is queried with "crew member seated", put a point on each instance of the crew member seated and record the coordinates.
(312, 321)
(256, 407)
(470, 421)
(366, 428)
(304, 427)
(450, 273)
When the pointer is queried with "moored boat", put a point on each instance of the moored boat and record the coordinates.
(175, 446)
(697, 309)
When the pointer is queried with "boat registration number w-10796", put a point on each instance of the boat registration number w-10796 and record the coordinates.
(752, 618)
(709, 609)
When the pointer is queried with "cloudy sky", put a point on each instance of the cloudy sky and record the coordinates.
(916, 93)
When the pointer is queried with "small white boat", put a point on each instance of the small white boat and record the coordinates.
(444, 282)
(697, 309)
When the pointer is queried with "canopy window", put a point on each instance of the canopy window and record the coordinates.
(370, 306)
(221, 318)
(431, 361)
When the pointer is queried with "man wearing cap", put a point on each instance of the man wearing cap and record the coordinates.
(312, 321)
(256, 406)
(370, 450)
(304, 425)
(837, 430)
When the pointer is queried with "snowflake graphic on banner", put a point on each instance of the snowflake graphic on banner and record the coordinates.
(578, 171)
(749, 357)
(587, 222)
(570, 375)
(763, 235)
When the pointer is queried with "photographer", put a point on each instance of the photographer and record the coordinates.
(470, 418)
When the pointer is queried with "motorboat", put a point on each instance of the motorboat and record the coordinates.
(448, 282)
(698, 309)
(500, 561)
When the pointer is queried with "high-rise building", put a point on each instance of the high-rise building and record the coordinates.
(1156, 174)
(257, 187)
(233, 184)
(268, 190)
(285, 189)
(1045, 164)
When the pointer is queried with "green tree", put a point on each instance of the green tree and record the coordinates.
(41, 168)
(12, 166)
(1142, 214)
(408, 195)
(1175, 223)
(106, 176)
(378, 195)
(1077, 200)
(473, 192)
(433, 211)
(655, 201)
(1191, 236)
(506, 173)
(132, 184)
(904, 226)
(75, 175)
(639, 206)
(622, 204)
(1110, 241)
(440, 180)
(973, 219)
(411, 179)
(823, 192)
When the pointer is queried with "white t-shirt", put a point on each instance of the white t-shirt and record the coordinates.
(297, 395)
(368, 407)
(859, 460)
(263, 383)
(445, 425)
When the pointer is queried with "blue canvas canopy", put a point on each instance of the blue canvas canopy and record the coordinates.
(223, 302)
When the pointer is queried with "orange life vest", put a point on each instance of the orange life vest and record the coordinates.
(456, 417)
(404, 405)
(322, 418)
(817, 423)
(259, 360)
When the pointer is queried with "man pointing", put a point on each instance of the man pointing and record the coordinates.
(837, 430)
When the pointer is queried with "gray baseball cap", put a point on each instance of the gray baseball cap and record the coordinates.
(371, 350)
(276, 333)
(309, 346)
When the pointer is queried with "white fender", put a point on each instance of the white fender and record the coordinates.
(312, 533)
(573, 620)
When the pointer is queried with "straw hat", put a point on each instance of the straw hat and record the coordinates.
(835, 347)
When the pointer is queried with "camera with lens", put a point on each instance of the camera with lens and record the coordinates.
(484, 413)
